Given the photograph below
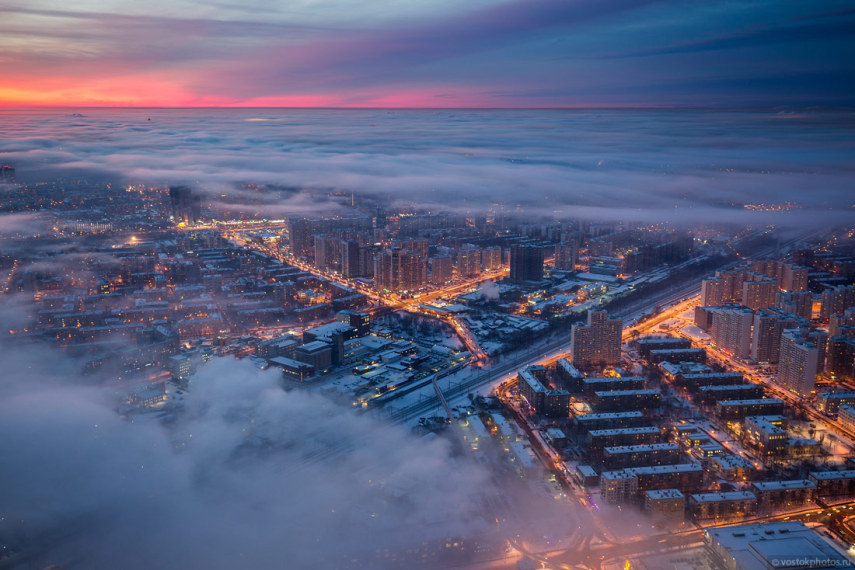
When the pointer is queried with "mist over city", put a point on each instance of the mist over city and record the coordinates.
(687, 167)
(500, 285)
(244, 474)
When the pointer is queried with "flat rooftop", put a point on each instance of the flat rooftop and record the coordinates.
(832, 475)
(701, 375)
(610, 416)
(836, 395)
(653, 470)
(730, 388)
(723, 497)
(610, 379)
(789, 545)
(783, 485)
(618, 449)
(618, 393)
(656, 494)
(750, 402)
(732, 462)
(622, 431)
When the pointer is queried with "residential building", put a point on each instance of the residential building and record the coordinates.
(648, 344)
(565, 256)
(623, 456)
(610, 383)
(799, 361)
(611, 420)
(759, 293)
(769, 325)
(772, 495)
(551, 403)
(441, 270)
(732, 467)
(526, 263)
(599, 439)
(665, 502)
(766, 434)
(846, 417)
(799, 303)
(596, 343)
(720, 507)
(830, 402)
(731, 329)
(740, 409)
(834, 483)
(491, 258)
(709, 395)
(469, 261)
(626, 400)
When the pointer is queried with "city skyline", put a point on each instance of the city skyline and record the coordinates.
(448, 396)
(422, 284)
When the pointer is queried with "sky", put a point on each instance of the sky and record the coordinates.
(427, 53)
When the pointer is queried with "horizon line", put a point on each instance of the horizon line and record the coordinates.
(814, 107)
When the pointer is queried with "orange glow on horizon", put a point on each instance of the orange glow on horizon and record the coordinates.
(158, 91)
(163, 90)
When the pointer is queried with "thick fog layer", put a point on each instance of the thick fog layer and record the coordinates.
(247, 476)
(688, 166)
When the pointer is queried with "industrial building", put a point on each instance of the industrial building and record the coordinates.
(763, 546)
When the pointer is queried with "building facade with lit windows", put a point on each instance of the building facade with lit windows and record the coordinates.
(469, 261)
(614, 400)
(725, 506)
(773, 495)
(620, 457)
(598, 439)
(565, 256)
(546, 401)
(491, 258)
(597, 342)
(740, 409)
(667, 502)
(731, 329)
(769, 325)
(441, 270)
(766, 434)
(830, 402)
(834, 483)
(799, 361)
(846, 417)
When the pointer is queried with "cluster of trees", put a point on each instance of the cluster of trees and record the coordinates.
(415, 326)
